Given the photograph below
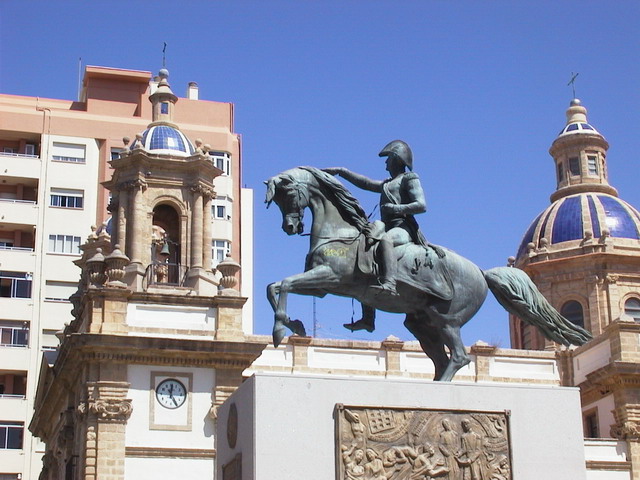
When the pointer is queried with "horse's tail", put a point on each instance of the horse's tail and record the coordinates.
(519, 296)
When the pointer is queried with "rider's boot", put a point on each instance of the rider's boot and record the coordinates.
(388, 270)
(367, 322)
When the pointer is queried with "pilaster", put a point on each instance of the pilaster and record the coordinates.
(392, 347)
(105, 413)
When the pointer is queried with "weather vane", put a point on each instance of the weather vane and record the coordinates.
(572, 82)
(164, 57)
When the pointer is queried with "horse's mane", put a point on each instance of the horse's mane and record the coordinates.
(347, 204)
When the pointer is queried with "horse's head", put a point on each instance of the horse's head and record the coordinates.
(291, 197)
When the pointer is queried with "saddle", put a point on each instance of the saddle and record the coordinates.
(418, 266)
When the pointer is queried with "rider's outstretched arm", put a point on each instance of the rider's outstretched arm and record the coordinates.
(358, 180)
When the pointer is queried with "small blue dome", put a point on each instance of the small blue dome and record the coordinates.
(570, 217)
(166, 139)
(578, 127)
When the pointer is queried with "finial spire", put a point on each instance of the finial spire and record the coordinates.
(572, 82)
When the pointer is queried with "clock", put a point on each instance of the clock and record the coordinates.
(171, 393)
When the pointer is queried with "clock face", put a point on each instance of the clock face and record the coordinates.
(171, 393)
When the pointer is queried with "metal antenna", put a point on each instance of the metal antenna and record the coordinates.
(572, 82)
(315, 318)
(164, 57)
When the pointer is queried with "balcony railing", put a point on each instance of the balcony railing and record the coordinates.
(13, 200)
(16, 249)
(170, 274)
(21, 155)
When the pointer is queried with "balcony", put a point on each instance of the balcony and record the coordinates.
(15, 356)
(16, 247)
(13, 389)
(18, 212)
(20, 165)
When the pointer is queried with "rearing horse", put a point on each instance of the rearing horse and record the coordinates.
(332, 266)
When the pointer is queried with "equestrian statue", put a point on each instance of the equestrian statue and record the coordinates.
(389, 265)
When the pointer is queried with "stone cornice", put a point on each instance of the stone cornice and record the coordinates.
(615, 375)
(160, 452)
(187, 300)
(160, 351)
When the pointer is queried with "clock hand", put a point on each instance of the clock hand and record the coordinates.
(174, 401)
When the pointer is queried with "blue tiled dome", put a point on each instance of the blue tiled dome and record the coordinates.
(570, 217)
(166, 139)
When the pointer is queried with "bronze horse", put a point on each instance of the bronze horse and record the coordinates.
(335, 262)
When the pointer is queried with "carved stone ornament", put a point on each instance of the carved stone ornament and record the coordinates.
(138, 183)
(376, 443)
(109, 409)
(203, 190)
(232, 426)
(628, 430)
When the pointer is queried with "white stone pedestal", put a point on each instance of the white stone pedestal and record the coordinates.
(286, 427)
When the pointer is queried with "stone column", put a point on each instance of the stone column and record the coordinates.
(196, 228)
(123, 205)
(107, 411)
(206, 234)
(134, 226)
(227, 381)
(627, 427)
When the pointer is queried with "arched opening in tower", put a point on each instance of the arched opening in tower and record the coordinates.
(165, 245)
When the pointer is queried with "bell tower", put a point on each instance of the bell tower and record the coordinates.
(157, 342)
(162, 188)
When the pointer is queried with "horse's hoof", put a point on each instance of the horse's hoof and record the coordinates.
(278, 335)
(297, 327)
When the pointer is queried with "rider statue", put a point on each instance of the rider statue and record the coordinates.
(401, 197)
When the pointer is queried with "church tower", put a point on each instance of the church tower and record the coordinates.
(162, 191)
(583, 253)
(157, 342)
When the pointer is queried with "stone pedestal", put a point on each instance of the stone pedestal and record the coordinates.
(283, 426)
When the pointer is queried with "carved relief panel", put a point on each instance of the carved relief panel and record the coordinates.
(419, 444)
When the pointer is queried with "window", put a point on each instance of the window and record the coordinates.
(560, 173)
(632, 308)
(220, 249)
(592, 164)
(64, 244)
(15, 284)
(66, 198)
(222, 160)
(14, 334)
(68, 152)
(115, 153)
(30, 149)
(164, 108)
(6, 244)
(11, 435)
(8, 150)
(591, 425)
(221, 208)
(574, 165)
(572, 311)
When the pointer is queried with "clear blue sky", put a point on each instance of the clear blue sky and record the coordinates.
(478, 89)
